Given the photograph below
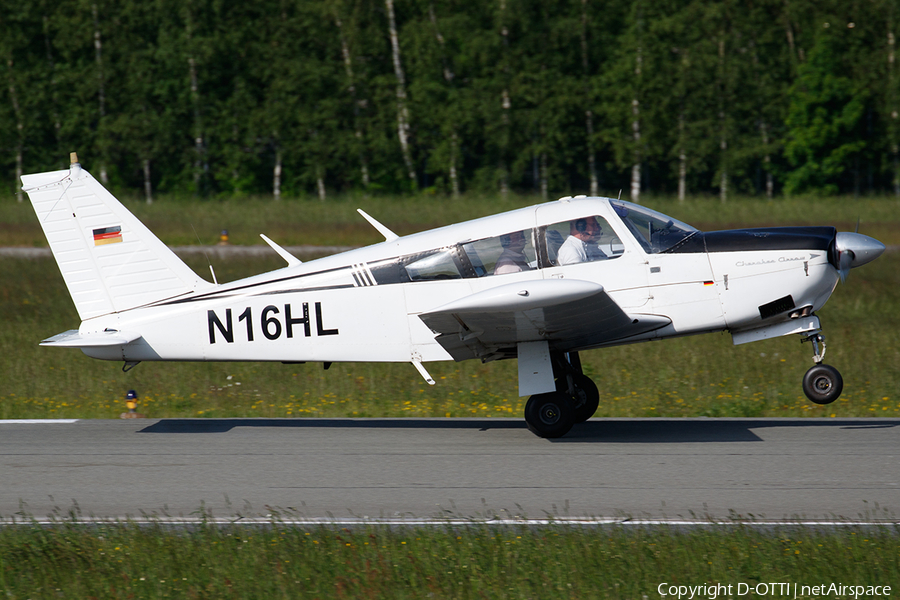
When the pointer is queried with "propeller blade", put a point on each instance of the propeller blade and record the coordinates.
(846, 263)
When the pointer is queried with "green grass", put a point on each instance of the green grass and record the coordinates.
(335, 222)
(73, 560)
(698, 376)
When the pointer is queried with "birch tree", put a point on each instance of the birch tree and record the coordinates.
(588, 113)
(505, 103)
(52, 94)
(19, 121)
(194, 57)
(403, 129)
(636, 109)
(891, 104)
(450, 125)
(101, 94)
(624, 81)
(352, 91)
(20, 64)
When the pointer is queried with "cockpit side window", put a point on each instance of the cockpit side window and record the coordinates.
(508, 253)
(585, 239)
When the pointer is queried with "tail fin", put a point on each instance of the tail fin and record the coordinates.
(110, 261)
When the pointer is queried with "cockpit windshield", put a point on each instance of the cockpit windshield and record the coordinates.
(654, 231)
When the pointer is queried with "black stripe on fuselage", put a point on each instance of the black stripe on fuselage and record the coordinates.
(220, 294)
(765, 238)
(342, 286)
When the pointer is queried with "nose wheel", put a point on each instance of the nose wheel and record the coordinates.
(823, 383)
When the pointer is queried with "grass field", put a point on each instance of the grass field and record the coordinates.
(699, 376)
(184, 221)
(72, 560)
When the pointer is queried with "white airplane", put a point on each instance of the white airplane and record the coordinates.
(539, 284)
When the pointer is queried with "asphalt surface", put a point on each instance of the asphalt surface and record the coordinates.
(767, 469)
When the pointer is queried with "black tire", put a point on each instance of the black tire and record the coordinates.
(823, 384)
(587, 398)
(549, 415)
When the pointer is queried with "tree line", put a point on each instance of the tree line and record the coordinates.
(213, 97)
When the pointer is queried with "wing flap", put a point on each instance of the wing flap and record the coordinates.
(570, 314)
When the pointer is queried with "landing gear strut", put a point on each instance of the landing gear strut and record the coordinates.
(575, 400)
(822, 383)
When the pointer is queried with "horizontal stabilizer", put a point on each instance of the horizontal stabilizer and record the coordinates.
(75, 339)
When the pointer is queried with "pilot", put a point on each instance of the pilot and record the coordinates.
(582, 243)
(512, 259)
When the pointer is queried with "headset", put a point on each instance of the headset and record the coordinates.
(581, 226)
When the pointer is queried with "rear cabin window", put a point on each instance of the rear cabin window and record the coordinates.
(508, 253)
(433, 266)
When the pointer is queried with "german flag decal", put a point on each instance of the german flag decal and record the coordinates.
(108, 235)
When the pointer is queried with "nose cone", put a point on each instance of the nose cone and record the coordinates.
(855, 249)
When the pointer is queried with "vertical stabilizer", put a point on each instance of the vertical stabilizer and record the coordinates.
(110, 261)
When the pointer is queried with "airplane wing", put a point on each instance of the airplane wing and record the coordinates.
(569, 314)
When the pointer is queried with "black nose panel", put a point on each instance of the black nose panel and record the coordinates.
(767, 238)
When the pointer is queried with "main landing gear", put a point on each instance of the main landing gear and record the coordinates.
(822, 383)
(575, 400)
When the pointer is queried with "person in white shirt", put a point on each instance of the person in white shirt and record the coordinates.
(582, 243)
(512, 259)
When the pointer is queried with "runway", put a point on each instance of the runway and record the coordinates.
(394, 469)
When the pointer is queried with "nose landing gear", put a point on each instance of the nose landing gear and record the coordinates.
(822, 383)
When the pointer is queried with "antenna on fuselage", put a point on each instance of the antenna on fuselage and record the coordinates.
(389, 236)
(287, 256)
(206, 254)
(620, 194)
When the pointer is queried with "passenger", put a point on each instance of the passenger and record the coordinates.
(512, 259)
(582, 243)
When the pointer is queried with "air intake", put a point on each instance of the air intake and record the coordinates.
(776, 307)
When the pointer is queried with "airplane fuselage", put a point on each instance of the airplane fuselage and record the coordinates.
(309, 313)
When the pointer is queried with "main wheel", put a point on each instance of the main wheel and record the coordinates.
(549, 415)
(587, 398)
(823, 384)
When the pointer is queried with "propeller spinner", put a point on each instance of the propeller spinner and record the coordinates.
(854, 250)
